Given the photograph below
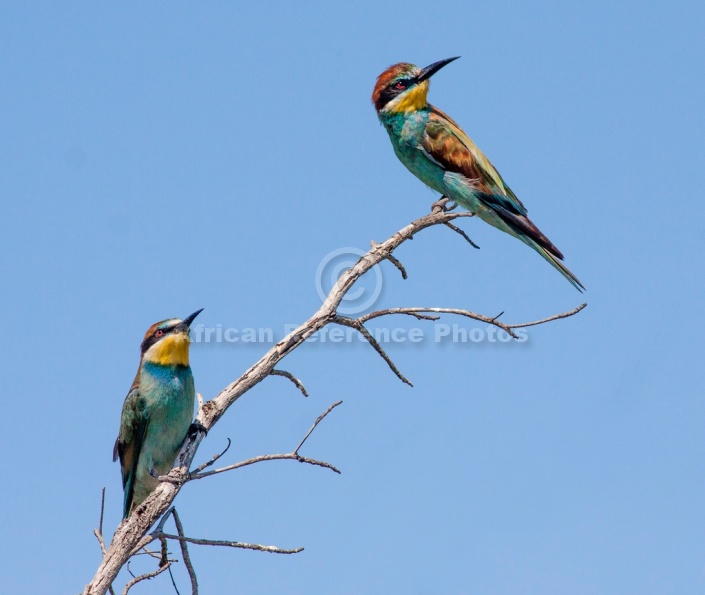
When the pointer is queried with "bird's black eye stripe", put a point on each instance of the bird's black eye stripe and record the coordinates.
(393, 89)
(155, 336)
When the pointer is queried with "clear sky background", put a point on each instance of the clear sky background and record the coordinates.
(156, 160)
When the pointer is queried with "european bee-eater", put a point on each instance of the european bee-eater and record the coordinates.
(158, 410)
(436, 150)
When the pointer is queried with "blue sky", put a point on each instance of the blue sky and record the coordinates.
(160, 159)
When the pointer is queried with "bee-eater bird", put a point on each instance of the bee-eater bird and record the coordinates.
(157, 411)
(436, 150)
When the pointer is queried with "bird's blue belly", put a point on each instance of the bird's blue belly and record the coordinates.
(169, 395)
(423, 168)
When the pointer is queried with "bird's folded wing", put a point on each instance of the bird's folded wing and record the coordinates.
(133, 427)
(447, 144)
(451, 148)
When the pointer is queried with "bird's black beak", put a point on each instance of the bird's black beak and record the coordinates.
(432, 69)
(186, 322)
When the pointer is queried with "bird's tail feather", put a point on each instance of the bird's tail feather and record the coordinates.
(555, 262)
(128, 496)
(523, 228)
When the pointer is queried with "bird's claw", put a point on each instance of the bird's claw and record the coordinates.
(196, 427)
(443, 204)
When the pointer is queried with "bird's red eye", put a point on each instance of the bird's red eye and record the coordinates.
(400, 85)
(159, 333)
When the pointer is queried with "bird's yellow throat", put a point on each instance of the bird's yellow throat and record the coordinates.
(170, 351)
(414, 99)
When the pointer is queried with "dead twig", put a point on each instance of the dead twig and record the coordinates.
(319, 419)
(550, 318)
(399, 266)
(297, 383)
(360, 328)
(273, 457)
(236, 544)
(459, 231)
(213, 459)
(185, 554)
(99, 531)
(147, 576)
(293, 455)
(467, 314)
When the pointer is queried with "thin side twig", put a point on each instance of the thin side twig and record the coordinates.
(319, 419)
(360, 328)
(550, 318)
(459, 231)
(147, 576)
(185, 554)
(212, 460)
(164, 553)
(102, 510)
(399, 266)
(297, 383)
(173, 582)
(236, 544)
(292, 456)
(289, 456)
(509, 328)
(99, 531)
(145, 552)
(458, 312)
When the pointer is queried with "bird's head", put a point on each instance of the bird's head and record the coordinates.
(402, 88)
(166, 342)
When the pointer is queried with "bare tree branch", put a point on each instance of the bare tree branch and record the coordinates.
(99, 531)
(273, 457)
(395, 261)
(147, 552)
(421, 310)
(131, 534)
(468, 314)
(459, 231)
(165, 517)
(144, 577)
(360, 328)
(173, 582)
(294, 455)
(291, 377)
(185, 554)
(211, 461)
(419, 313)
(163, 558)
(102, 510)
(237, 544)
(319, 419)
(550, 318)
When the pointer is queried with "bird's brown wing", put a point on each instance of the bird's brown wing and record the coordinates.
(447, 144)
(451, 148)
(133, 427)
